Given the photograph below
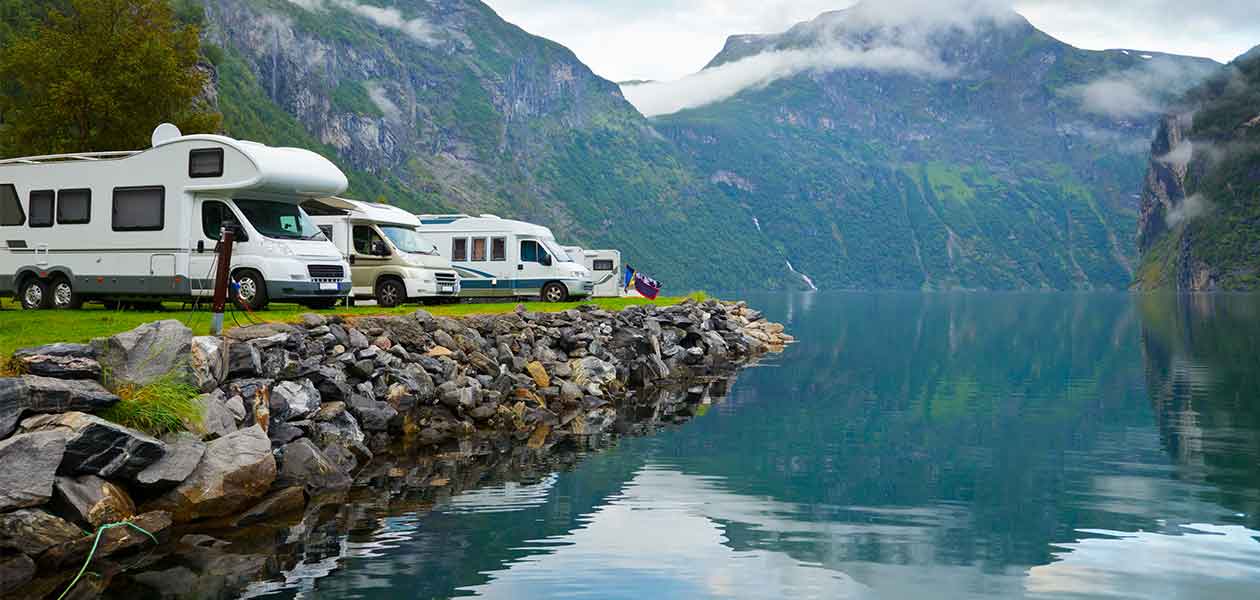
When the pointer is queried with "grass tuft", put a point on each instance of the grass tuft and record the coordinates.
(165, 406)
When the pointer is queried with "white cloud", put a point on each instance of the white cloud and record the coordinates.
(391, 18)
(719, 83)
(1139, 91)
(1190, 209)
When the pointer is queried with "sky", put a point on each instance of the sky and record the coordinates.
(665, 40)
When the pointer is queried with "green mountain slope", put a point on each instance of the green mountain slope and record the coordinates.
(1200, 217)
(443, 106)
(1002, 167)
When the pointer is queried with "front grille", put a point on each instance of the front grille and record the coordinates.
(326, 272)
(446, 278)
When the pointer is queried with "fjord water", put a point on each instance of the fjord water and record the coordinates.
(909, 446)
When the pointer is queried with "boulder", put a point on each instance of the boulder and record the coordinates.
(312, 320)
(115, 540)
(183, 453)
(357, 339)
(592, 370)
(28, 467)
(338, 434)
(243, 360)
(263, 330)
(33, 531)
(373, 415)
(98, 447)
(16, 569)
(92, 500)
(62, 367)
(298, 399)
(234, 471)
(33, 394)
(331, 383)
(302, 464)
(217, 420)
(147, 353)
(280, 503)
(208, 362)
(539, 373)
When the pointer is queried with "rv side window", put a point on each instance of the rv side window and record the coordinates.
(459, 249)
(498, 249)
(74, 207)
(214, 215)
(139, 208)
(479, 249)
(531, 251)
(205, 163)
(41, 208)
(10, 207)
(602, 264)
(364, 238)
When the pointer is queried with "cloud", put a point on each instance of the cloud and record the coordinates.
(722, 82)
(1139, 91)
(390, 18)
(1188, 210)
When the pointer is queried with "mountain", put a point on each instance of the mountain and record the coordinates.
(1199, 228)
(440, 105)
(952, 149)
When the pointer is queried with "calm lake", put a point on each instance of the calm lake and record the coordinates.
(910, 446)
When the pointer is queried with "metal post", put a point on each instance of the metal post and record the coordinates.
(221, 279)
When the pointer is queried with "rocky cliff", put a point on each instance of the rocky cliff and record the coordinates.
(1199, 222)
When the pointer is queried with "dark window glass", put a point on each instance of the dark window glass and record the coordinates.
(139, 209)
(498, 249)
(479, 249)
(459, 249)
(279, 220)
(214, 215)
(327, 229)
(74, 207)
(364, 238)
(529, 251)
(41, 208)
(10, 207)
(602, 264)
(205, 163)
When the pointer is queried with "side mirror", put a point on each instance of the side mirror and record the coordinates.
(380, 249)
(350, 260)
(545, 260)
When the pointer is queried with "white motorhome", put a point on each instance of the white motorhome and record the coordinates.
(144, 224)
(390, 261)
(503, 258)
(605, 266)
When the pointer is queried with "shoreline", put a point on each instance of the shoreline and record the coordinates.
(296, 414)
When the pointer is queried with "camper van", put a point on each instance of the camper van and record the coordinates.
(503, 258)
(144, 224)
(605, 266)
(390, 261)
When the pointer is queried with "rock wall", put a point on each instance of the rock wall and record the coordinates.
(294, 413)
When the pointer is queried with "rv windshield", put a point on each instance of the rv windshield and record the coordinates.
(279, 220)
(407, 240)
(557, 251)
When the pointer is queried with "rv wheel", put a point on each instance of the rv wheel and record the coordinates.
(252, 292)
(390, 293)
(555, 292)
(64, 296)
(35, 294)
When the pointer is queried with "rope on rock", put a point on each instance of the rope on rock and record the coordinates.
(100, 530)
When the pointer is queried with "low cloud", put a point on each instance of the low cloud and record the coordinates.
(755, 72)
(390, 18)
(1188, 210)
(1140, 91)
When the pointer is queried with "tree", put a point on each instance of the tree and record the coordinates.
(100, 76)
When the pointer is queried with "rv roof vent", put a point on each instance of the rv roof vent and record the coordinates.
(165, 133)
(489, 216)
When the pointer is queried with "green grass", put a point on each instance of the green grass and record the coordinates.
(22, 329)
(164, 406)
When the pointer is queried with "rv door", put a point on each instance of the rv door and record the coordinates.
(208, 221)
(532, 269)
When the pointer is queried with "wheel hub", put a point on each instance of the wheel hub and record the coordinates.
(34, 295)
(62, 294)
(248, 289)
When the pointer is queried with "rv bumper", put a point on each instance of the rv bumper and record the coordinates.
(579, 288)
(425, 284)
(303, 290)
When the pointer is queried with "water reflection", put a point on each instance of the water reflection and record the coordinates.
(911, 446)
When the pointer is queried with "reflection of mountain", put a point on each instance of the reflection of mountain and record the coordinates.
(1202, 357)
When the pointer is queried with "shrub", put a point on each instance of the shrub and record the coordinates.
(164, 406)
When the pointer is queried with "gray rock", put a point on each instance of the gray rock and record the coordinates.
(208, 362)
(96, 446)
(217, 420)
(303, 464)
(93, 501)
(236, 406)
(570, 392)
(362, 369)
(33, 394)
(312, 320)
(338, 434)
(59, 349)
(112, 541)
(263, 330)
(357, 340)
(373, 415)
(331, 383)
(33, 531)
(235, 471)
(16, 569)
(62, 367)
(243, 360)
(280, 503)
(183, 454)
(28, 467)
(299, 399)
(147, 353)
(283, 433)
(592, 370)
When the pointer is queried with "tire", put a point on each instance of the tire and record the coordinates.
(322, 304)
(252, 292)
(555, 292)
(34, 294)
(390, 293)
(63, 296)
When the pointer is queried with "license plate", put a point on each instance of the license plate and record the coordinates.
(447, 289)
(328, 287)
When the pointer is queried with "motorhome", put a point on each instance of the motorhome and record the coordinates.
(144, 224)
(503, 258)
(605, 266)
(390, 261)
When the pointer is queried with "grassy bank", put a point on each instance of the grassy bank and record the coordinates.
(21, 329)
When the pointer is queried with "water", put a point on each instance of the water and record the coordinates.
(910, 446)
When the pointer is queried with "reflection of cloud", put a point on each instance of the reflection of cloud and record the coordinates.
(506, 497)
(1205, 561)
